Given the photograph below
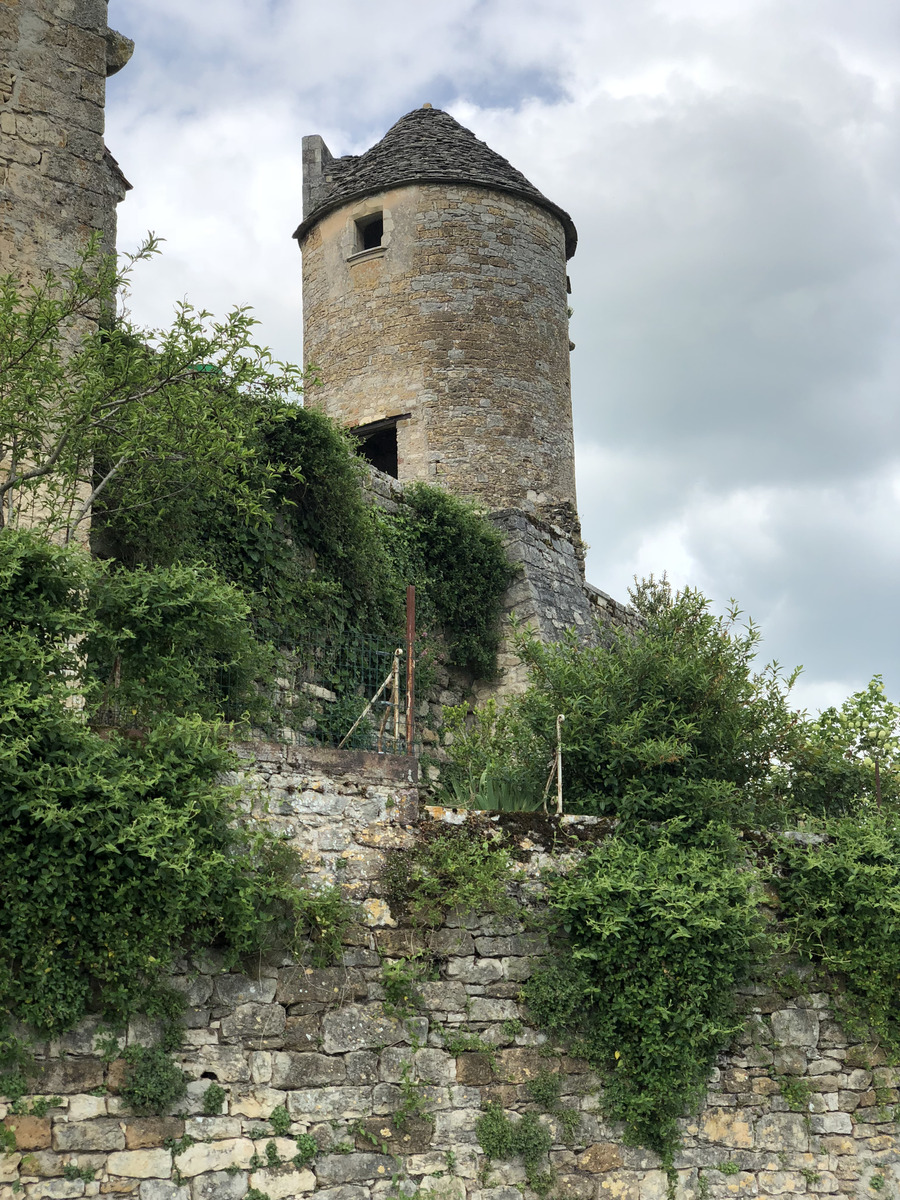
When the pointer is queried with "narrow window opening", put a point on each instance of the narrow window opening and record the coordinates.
(377, 444)
(371, 231)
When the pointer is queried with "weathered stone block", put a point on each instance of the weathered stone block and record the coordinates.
(256, 1104)
(161, 1189)
(254, 1023)
(835, 1122)
(235, 990)
(215, 1156)
(474, 1069)
(85, 1108)
(444, 997)
(781, 1131)
(730, 1129)
(519, 944)
(227, 1064)
(103, 1134)
(352, 1168)
(283, 1185)
(329, 986)
(151, 1131)
(301, 1032)
(602, 1156)
(140, 1164)
(32, 1133)
(330, 1103)
(362, 1067)
(412, 1136)
(789, 1060)
(347, 1192)
(219, 1186)
(291, 1070)
(478, 971)
(355, 1028)
(67, 1075)
(493, 1010)
(212, 1129)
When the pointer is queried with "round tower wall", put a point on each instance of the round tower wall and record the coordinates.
(458, 319)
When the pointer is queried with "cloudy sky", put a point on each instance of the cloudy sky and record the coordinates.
(732, 167)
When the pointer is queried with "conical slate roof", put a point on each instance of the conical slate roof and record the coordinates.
(425, 146)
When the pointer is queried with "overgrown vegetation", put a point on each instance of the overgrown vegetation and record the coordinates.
(453, 872)
(526, 1138)
(674, 734)
(153, 1082)
(117, 852)
(841, 906)
(658, 933)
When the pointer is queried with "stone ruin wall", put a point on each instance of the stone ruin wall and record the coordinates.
(319, 1042)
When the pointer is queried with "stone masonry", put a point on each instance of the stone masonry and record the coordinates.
(320, 1043)
(456, 323)
(58, 182)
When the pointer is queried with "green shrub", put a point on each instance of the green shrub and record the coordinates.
(117, 853)
(671, 721)
(153, 1082)
(841, 905)
(526, 1138)
(658, 935)
(280, 1120)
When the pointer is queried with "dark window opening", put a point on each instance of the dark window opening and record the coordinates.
(380, 449)
(371, 231)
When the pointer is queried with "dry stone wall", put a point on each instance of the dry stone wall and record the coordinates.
(320, 1044)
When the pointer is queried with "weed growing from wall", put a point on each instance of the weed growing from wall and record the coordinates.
(527, 1138)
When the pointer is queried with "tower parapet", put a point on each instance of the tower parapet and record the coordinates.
(435, 309)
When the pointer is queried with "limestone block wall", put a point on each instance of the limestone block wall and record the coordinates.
(459, 319)
(58, 182)
(320, 1044)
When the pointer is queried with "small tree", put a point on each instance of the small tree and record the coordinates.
(86, 400)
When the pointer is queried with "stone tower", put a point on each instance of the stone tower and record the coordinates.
(435, 309)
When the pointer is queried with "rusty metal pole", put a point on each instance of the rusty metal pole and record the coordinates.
(410, 667)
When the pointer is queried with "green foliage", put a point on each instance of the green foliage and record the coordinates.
(459, 561)
(850, 757)
(454, 872)
(307, 1149)
(280, 1120)
(153, 1082)
(659, 933)
(462, 1041)
(82, 406)
(116, 853)
(728, 1168)
(526, 1138)
(73, 1172)
(545, 1089)
(841, 906)
(256, 1194)
(400, 981)
(170, 640)
(212, 1101)
(796, 1092)
(672, 722)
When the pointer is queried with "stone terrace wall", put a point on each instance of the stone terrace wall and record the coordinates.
(320, 1043)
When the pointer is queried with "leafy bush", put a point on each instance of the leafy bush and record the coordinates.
(116, 853)
(153, 1082)
(454, 872)
(213, 1099)
(841, 904)
(658, 933)
(458, 560)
